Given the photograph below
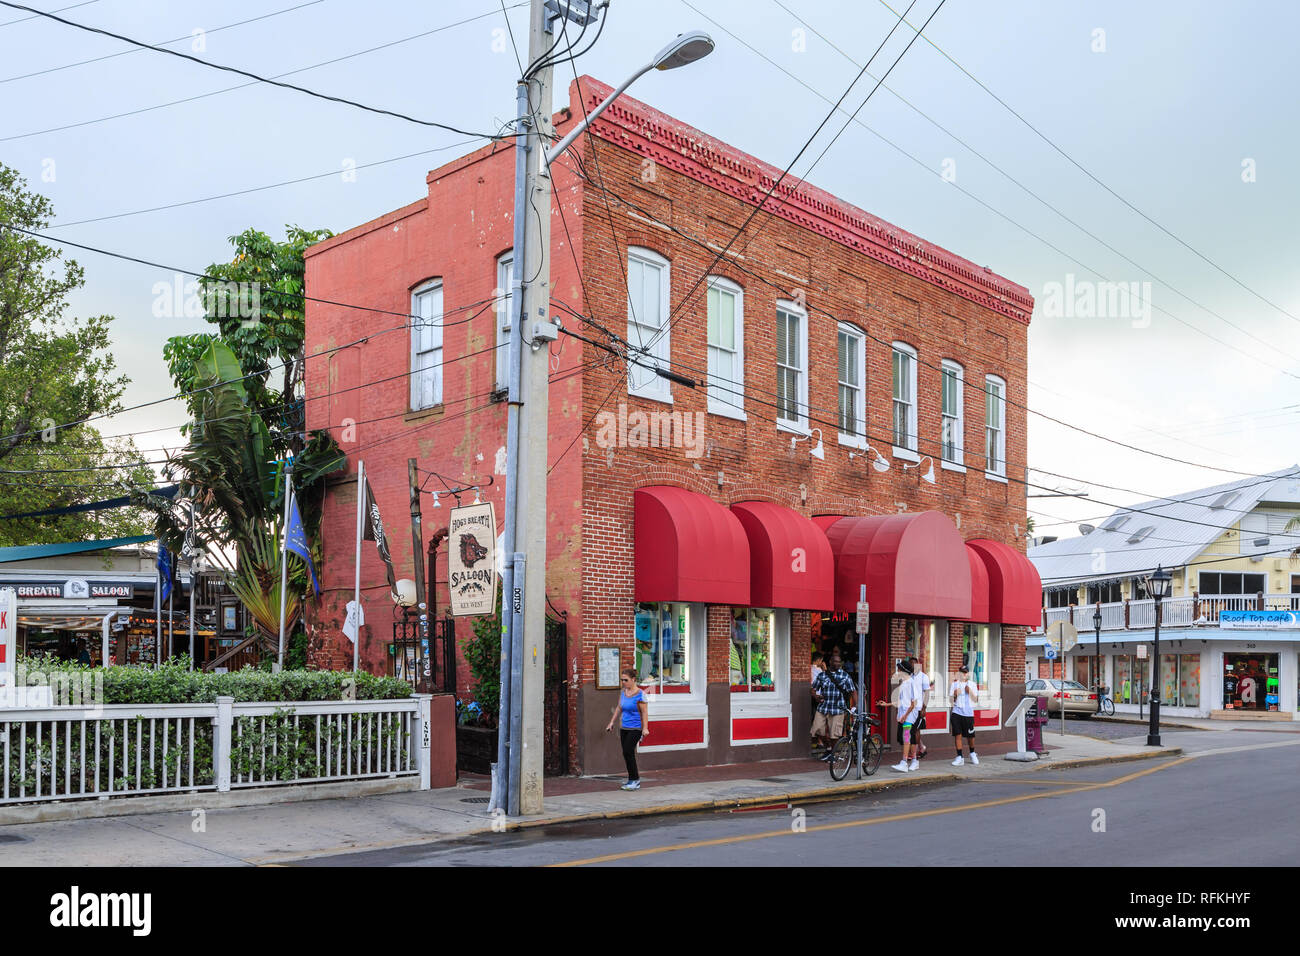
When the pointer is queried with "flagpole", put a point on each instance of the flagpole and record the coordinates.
(361, 512)
(157, 604)
(284, 562)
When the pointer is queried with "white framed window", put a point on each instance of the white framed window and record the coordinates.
(952, 417)
(904, 363)
(726, 321)
(995, 426)
(504, 289)
(668, 650)
(759, 652)
(981, 651)
(647, 323)
(791, 366)
(426, 345)
(852, 348)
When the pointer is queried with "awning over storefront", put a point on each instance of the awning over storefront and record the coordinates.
(1015, 590)
(910, 563)
(979, 587)
(790, 560)
(688, 548)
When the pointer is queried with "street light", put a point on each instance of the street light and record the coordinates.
(686, 49)
(1096, 654)
(1158, 586)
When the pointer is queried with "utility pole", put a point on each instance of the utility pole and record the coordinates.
(421, 602)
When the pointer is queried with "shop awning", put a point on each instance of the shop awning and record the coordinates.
(910, 563)
(688, 548)
(979, 586)
(790, 560)
(1015, 590)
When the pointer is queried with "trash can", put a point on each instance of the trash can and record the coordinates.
(1035, 719)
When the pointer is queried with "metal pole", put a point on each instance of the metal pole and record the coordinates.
(356, 588)
(284, 559)
(1153, 732)
(194, 582)
(171, 621)
(1096, 661)
(421, 600)
(862, 700)
(157, 610)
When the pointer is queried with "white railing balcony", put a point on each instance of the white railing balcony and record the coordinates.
(1182, 611)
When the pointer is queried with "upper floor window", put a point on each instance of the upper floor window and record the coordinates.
(426, 345)
(951, 412)
(995, 426)
(647, 324)
(726, 348)
(791, 365)
(1107, 593)
(1060, 597)
(505, 301)
(905, 397)
(1230, 582)
(852, 381)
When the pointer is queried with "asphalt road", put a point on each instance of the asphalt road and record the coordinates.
(1233, 787)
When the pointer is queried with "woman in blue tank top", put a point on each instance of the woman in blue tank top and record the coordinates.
(633, 726)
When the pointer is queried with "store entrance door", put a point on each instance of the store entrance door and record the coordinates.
(1250, 681)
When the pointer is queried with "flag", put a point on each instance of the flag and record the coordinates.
(373, 530)
(164, 572)
(296, 540)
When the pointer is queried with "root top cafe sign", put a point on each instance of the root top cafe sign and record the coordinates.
(471, 560)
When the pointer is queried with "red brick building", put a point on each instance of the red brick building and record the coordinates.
(714, 534)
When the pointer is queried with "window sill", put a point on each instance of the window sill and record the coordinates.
(665, 397)
(853, 441)
(735, 414)
(793, 429)
(680, 706)
(417, 414)
(906, 454)
(952, 466)
(992, 476)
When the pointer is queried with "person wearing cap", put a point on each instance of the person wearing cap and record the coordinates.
(908, 708)
(962, 719)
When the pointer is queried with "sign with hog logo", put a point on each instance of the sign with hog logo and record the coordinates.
(471, 560)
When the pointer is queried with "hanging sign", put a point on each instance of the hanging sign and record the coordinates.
(471, 560)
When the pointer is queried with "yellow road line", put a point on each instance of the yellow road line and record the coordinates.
(891, 818)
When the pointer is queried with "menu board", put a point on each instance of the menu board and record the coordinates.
(607, 667)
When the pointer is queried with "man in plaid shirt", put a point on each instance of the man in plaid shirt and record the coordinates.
(832, 688)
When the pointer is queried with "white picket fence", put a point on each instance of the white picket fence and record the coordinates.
(122, 750)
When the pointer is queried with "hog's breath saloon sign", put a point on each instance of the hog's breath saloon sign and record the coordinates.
(471, 560)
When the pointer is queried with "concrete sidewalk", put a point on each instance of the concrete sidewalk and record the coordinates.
(284, 832)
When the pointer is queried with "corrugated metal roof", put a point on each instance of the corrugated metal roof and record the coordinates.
(1182, 526)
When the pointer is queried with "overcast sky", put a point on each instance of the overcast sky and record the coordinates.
(1172, 105)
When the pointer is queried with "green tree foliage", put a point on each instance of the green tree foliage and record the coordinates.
(54, 369)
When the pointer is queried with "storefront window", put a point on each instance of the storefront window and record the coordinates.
(935, 660)
(1189, 680)
(1250, 682)
(982, 653)
(663, 647)
(1083, 671)
(752, 650)
(1169, 679)
(1132, 675)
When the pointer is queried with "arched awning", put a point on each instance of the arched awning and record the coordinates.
(911, 564)
(1015, 590)
(688, 548)
(791, 564)
(979, 586)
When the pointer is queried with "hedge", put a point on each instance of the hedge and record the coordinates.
(175, 683)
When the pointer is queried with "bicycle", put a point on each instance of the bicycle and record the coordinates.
(845, 751)
(1105, 706)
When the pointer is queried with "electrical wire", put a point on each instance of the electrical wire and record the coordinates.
(84, 3)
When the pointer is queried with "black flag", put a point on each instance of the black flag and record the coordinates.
(373, 530)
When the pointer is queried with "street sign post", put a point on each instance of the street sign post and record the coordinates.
(863, 623)
(1065, 636)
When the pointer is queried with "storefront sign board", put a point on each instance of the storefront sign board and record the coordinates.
(471, 559)
(1259, 620)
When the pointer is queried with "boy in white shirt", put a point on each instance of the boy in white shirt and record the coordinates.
(908, 707)
(962, 719)
(922, 681)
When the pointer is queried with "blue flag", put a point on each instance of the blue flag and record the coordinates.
(164, 572)
(296, 541)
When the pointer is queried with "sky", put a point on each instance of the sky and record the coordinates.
(1183, 110)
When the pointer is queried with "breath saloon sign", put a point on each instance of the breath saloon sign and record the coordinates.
(471, 560)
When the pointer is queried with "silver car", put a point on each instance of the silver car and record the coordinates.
(1078, 699)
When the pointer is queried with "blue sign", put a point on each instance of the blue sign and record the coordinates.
(1259, 620)
(1051, 653)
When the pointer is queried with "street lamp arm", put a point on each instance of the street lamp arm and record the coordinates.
(554, 152)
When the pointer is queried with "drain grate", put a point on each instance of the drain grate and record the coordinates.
(475, 799)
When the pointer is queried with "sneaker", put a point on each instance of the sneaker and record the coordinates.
(916, 765)
(631, 785)
(827, 757)
(901, 767)
(974, 759)
(958, 762)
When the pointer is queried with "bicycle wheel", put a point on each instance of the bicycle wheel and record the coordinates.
(842, 758)
(1108, 707)
(872, 749)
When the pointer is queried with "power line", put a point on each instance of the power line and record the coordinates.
(273, 80)
(1077, 165)
(84, 3)
(187, 36)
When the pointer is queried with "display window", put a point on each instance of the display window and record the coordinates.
(982, 653)
(1189, 680)
(666, 640)
(1132, 676)
(1250, 682)
(1083, 671)
(753, 650)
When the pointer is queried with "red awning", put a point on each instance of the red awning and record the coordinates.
(1015, 590)
(790, 560)
(910, 563)
(688, 548)
(979, 586)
